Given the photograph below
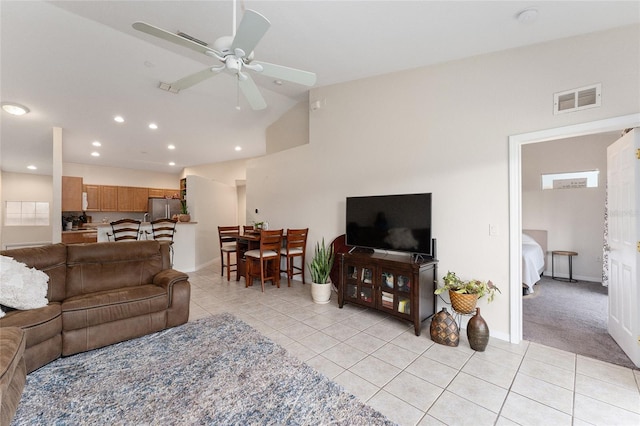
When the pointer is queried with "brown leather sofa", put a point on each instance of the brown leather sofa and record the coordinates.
(99, 294)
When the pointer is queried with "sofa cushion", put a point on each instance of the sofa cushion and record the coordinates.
(49, 259)
(39, 324)
(12, 371)
(98, 267)
(112, 305)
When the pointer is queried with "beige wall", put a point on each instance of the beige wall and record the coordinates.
(292, 129)
(226, 172)
(442, 129)
(99, 175)
(574, 218)
(27, 187)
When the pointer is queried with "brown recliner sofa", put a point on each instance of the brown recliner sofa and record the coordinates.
(99, 294)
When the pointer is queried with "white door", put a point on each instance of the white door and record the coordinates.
(623, 173)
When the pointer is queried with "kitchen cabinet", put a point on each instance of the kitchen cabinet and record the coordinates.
(108, 198)
(79, 237)
(71, 194)
(132, 199)
(93, 197)
(156, 193)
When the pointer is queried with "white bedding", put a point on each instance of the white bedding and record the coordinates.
(532, 262)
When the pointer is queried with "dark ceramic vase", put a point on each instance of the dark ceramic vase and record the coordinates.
(478, 332)
(444, 329)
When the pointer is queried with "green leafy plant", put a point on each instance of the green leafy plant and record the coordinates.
(321, 263)
(481, 288)
(183, 207)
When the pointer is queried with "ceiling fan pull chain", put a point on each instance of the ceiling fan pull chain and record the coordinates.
(238, 93)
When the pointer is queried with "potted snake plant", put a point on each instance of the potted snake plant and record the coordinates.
(320, 267)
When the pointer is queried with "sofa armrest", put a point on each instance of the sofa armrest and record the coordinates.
(167, 278)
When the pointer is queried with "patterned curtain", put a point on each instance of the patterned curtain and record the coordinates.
(605, 246)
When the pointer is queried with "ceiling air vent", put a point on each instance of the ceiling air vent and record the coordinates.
(577, 99)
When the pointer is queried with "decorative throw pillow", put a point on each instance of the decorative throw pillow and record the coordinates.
(21, 287)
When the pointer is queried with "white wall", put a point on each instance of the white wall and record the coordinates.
(211, 204)
(574, 218)
(27, 187)
(442, 129)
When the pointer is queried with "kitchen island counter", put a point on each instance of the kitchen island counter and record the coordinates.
(184, 242)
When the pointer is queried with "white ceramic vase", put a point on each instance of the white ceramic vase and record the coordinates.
(321, 293)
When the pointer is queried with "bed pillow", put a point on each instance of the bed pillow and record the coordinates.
(21, 287)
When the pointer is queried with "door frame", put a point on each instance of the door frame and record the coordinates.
(515, 199)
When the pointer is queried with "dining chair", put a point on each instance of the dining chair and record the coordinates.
(295, 246)
(228, 245)
(163, 230)
(258, 259)
(247, 228)
(125, 229)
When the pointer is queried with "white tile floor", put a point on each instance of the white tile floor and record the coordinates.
(414, 381)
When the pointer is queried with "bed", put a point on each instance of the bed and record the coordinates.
(534, 254)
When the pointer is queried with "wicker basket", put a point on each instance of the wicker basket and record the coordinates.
(463, 303)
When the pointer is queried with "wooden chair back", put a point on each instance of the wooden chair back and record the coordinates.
(163, 229)
(125, 229)
(296, 240)
(247, 228)
(225, 234)
(270, 241)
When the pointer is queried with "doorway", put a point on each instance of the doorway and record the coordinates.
(515, 199)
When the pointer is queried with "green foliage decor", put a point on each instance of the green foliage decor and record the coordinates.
(183, 207)
(321, 263)
(481, 288)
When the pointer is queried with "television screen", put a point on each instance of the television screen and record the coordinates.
(390, 222)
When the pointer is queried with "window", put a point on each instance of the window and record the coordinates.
(27, 213)
(570, 180)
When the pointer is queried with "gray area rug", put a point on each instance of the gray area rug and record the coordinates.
(571, 317)
(216, 370)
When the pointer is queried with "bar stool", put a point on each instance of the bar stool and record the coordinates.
(226, 236)
(270, 244)
(295, 246)
(163, 230)
(125, 229)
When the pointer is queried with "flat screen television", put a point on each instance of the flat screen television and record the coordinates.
(390, 222)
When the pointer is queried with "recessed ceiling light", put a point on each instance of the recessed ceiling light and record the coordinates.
(172, 163)
(171, 146)
(238, 148)
(14, 109)
(96, 143)
(118, 119)
(32, 167)
(153, 126)
(95, 154)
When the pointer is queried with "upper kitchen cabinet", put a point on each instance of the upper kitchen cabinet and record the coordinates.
(108, 198)
(131, 199)
(93, 197)
(163, 193)
(71, 194)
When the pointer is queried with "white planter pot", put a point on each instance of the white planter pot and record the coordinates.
(321, 293)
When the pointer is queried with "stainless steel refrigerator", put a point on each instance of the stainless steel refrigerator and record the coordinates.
(163, 208)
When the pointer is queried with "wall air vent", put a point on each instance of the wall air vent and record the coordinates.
(577, 99)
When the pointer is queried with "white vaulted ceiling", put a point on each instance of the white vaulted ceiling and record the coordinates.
(77, 64)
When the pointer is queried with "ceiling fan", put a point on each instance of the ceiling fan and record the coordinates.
(236, 56)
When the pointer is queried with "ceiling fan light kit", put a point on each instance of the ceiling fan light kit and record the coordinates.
(236, 54)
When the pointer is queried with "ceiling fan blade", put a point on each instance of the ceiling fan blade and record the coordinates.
(293, 75)
(173, 38)
(251, 92)
(193, 79)
(251, 30)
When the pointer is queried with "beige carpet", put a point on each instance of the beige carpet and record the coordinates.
(571, 317)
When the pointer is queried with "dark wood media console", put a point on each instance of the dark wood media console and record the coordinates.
(393, 284)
